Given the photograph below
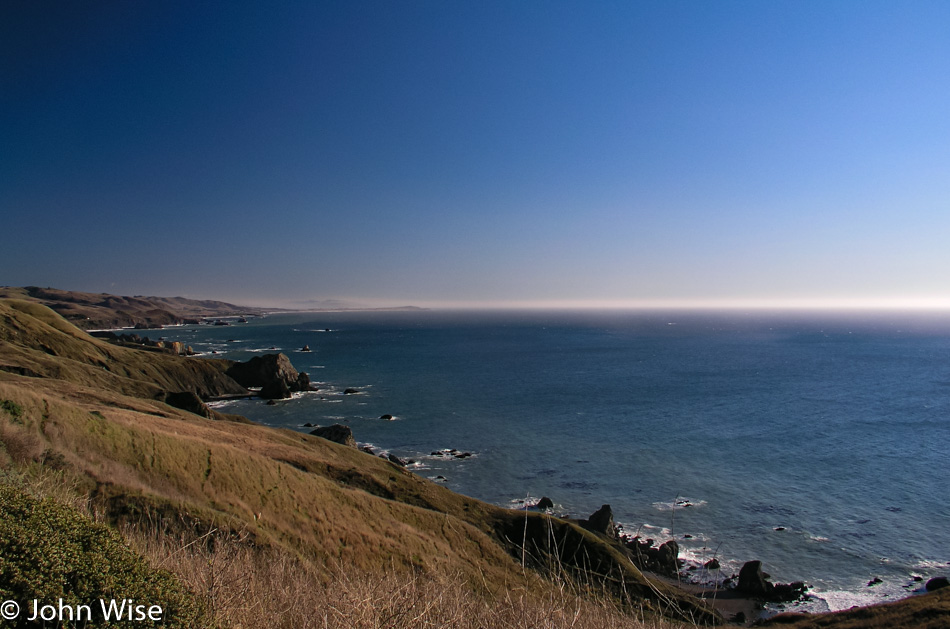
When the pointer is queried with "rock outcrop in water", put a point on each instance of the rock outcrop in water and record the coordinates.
(755, 583)
(273, 373)
(663, 559)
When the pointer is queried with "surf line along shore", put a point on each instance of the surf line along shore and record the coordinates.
(743, 602)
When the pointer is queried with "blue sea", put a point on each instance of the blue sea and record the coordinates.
(815, 442)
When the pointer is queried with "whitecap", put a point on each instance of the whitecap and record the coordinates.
(931, 565)
(837, 600)
(222, 403)
(679, 503)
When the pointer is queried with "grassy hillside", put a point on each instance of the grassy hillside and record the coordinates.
(91, 412)
(35, 341)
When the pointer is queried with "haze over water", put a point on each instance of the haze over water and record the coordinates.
(814, 442)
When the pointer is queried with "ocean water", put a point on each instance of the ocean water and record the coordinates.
(817, 443)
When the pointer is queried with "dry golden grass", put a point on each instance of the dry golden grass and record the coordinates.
(248, 587)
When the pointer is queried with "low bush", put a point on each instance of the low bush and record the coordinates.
(50, 552)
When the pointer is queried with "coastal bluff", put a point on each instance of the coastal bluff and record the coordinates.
(129, 432)
(98, 414)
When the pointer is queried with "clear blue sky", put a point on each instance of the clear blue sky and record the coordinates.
(671, 152)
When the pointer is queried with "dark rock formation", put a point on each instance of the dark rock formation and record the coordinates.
(395, 459)
(306, 348)
(350, 391)
(337, 433)
(661, 560)
(712, 564)
(276, 390)
(273, 373)
(545, 503)
(601, 521)
(386, 416)
(188, 401)
(262, 370)
(937, 583)
(667, 557)
(753, 582)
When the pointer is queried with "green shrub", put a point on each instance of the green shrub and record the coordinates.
(49, 551)
(15, 410)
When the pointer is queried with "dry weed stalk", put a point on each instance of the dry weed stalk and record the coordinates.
(251, 587)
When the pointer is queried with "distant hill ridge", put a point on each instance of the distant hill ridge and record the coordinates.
(91, 311)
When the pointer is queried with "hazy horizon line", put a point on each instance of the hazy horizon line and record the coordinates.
(896, 304)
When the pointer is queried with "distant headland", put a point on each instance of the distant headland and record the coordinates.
(101, 311)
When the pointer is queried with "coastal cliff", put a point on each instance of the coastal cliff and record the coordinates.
(96, 415)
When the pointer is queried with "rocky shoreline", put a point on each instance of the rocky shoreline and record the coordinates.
(741, 598)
